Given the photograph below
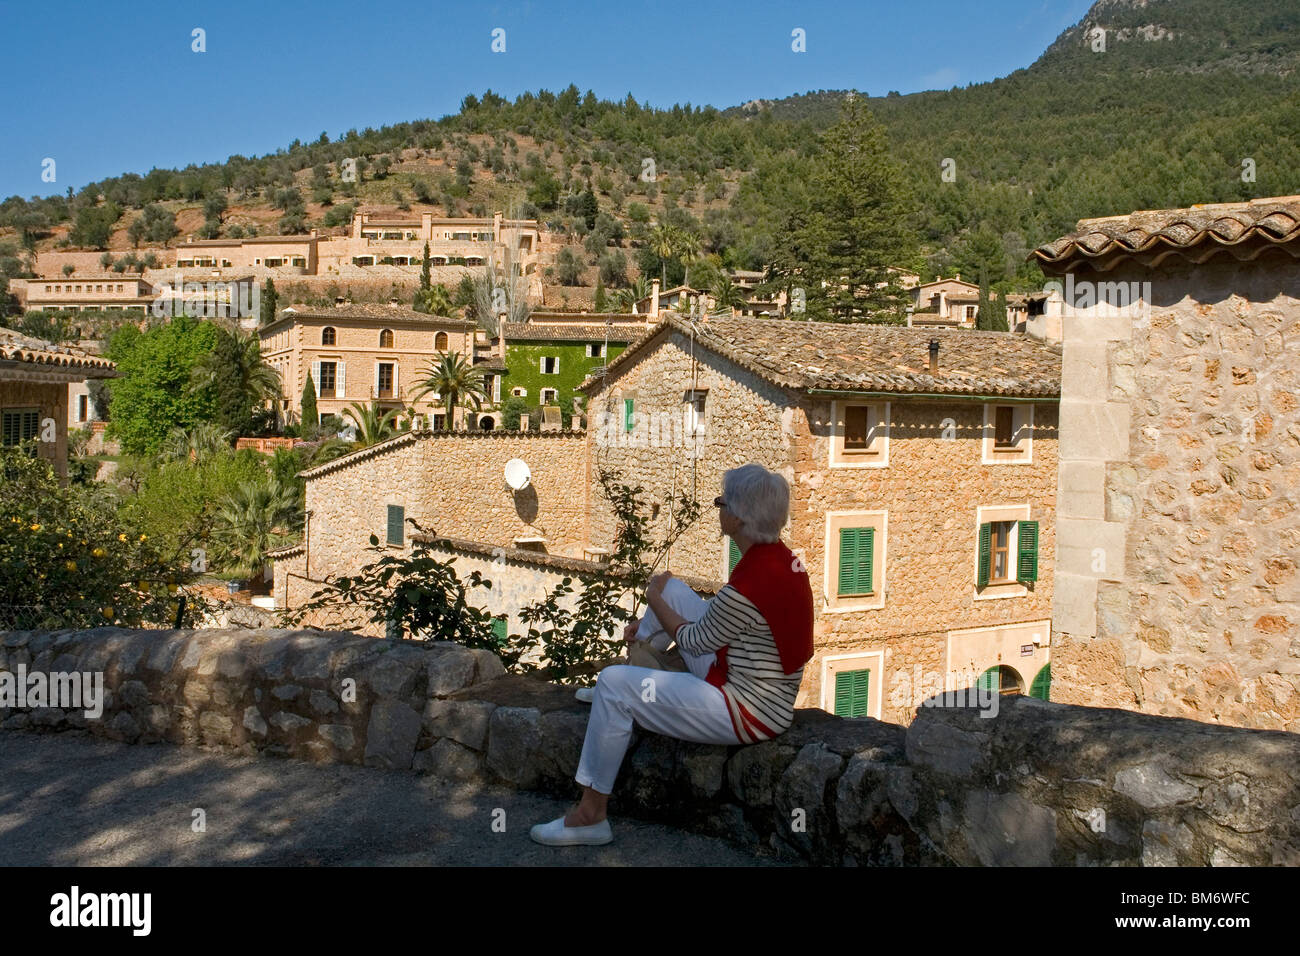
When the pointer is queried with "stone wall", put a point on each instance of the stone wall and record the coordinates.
(520, 578)
(930, 490)
(746, 420)
(51, 400)
(1179, 535)
(1039, 784)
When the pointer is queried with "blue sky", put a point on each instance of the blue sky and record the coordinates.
(109, 88)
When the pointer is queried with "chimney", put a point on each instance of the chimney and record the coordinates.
(654, 299)
(934, 356)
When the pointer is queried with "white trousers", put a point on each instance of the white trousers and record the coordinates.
(672, 703)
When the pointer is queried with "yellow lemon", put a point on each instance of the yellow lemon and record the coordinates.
(108, 613)
(70, 565)
(36, 527)
(99, 552)
(121, 537)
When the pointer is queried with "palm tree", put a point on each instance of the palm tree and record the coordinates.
(196, 445)
(374, 424)
(727, 296)
(663, 243)
(241, 362)
(453, 380)
(688, 250)
(255, 518)
(623, 299)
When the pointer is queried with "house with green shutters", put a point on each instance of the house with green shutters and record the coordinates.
(548, 356)
(922, 467)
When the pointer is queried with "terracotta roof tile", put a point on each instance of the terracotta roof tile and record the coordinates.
(369, 312)
(16, 347)
(835, 356)
(569, 332)
(1197, 232)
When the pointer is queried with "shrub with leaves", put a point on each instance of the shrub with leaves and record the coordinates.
(67, 560)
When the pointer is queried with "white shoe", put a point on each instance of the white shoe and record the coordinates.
(556, 833)
(585, 694)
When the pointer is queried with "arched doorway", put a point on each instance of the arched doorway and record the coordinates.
(487, 423)
(1003, 678)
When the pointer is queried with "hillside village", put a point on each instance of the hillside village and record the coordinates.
(971, 505)
(422, 449)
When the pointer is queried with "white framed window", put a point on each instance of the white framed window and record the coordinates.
(1008, 433)
(549, 395)
(859, 434)
(595, 350)
(853, 573)
(549, 365)
(519, 392)
(853, 685)
(997, 551)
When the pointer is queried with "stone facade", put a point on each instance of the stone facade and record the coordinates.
(294, 346)
(928, 626)
(1179, 534)
(1043, 784)
(451, 484)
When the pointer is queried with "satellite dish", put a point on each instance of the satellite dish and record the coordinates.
(517, 474)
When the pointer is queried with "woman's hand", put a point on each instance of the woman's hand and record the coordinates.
(629, 632)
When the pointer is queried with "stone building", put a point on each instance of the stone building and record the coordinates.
(87, 292)
(34, 387)
(923, 483)
(451, 484)
(1178, 540)
(363, 353)
(552, 353)
(945, 302)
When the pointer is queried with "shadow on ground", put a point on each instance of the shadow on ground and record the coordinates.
(70, 799)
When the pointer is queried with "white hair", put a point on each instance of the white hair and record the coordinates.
(759, 498)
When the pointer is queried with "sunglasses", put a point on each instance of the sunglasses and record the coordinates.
(720, 502)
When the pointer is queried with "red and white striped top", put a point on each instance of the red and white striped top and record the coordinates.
(759, 694)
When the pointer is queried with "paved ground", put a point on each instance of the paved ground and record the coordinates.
(76, 800)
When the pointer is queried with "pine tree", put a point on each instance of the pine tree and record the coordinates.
(1000, 323)
(268, 303)
(856, 225)
(984, 312)
(309, 414)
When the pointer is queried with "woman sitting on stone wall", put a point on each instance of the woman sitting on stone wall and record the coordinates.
(742, 653)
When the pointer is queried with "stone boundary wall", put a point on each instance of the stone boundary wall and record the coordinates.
(1178, 533)
(1039, 784)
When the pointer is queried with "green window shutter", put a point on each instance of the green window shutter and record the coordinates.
(990, 680)
(857, 551)
(866, 556)
(499, 630)
(851, 689)
(848, 579)
(627, 414)
(733, 556)
(396, 524)
(1027, 551)
(985, 555)
(1042, 685)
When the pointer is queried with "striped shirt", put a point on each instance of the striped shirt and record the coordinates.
(760, 695)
